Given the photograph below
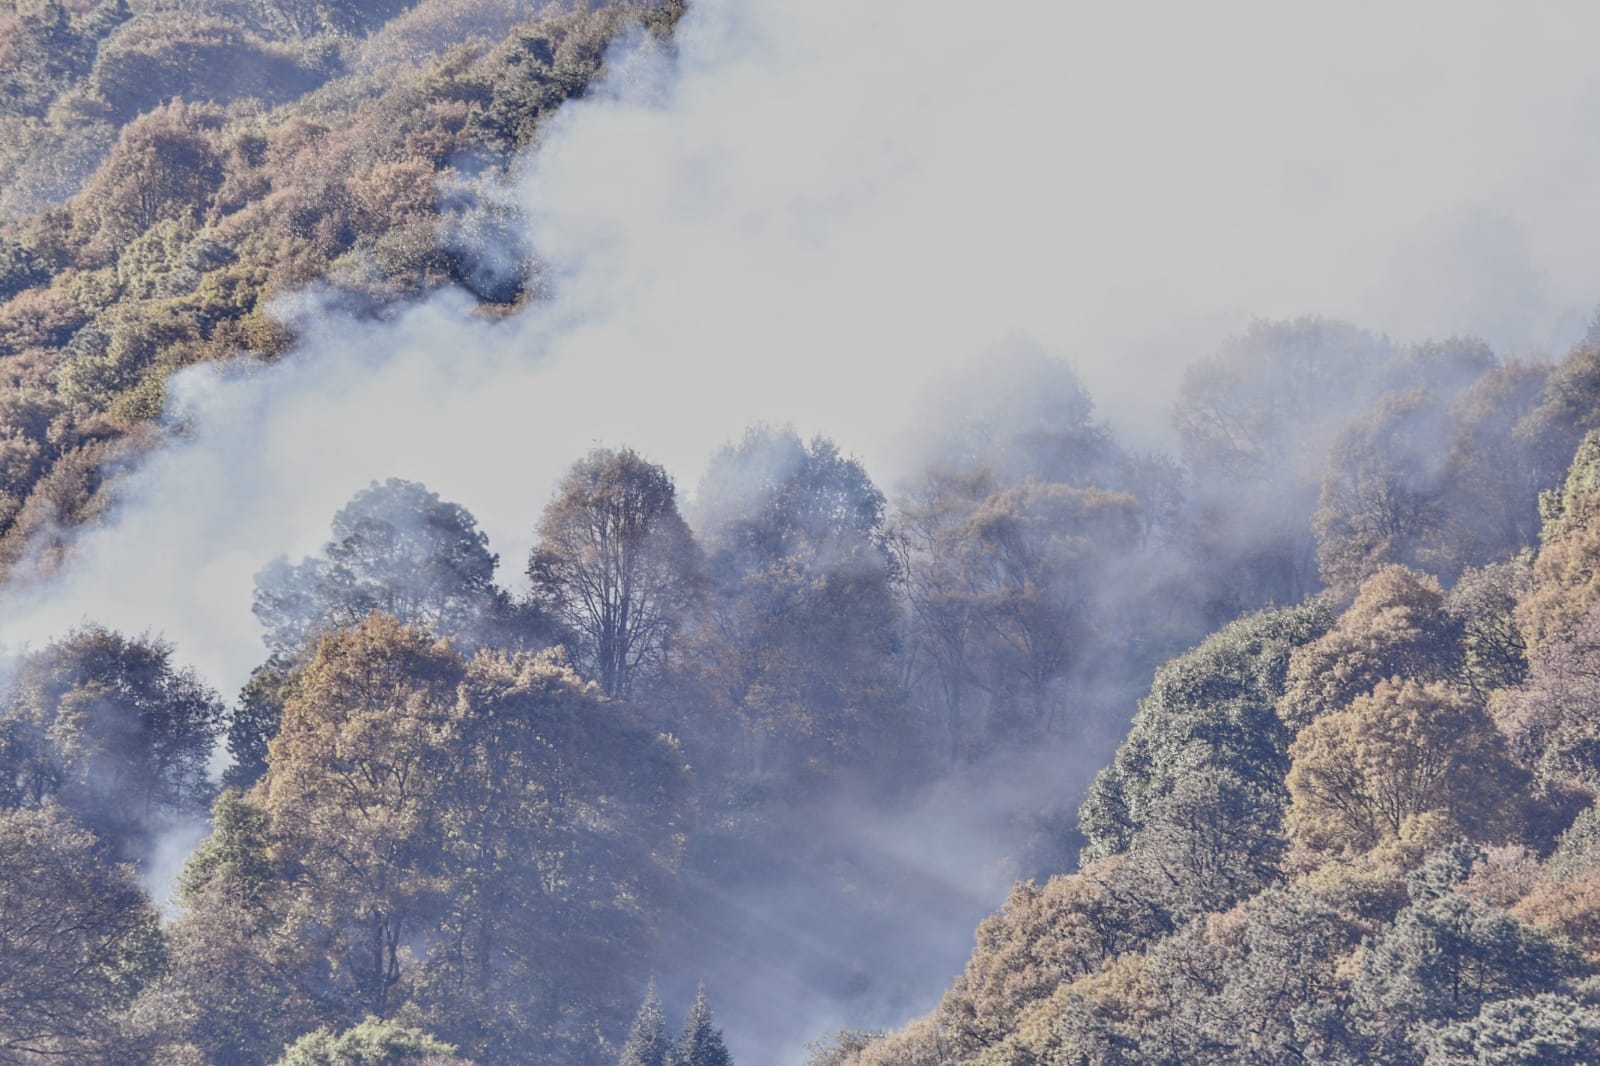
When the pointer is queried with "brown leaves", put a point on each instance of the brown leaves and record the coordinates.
(1366, 774)
(1397, 627)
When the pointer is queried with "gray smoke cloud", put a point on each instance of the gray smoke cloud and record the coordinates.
(815, 209)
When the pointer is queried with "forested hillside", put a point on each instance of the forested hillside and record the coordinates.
(1279, 721)
(1358, 828)
(168, 169)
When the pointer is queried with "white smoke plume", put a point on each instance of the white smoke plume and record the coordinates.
(820, 206)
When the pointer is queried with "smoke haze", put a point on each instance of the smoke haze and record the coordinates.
(812, 211)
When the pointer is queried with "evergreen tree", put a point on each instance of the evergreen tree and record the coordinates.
(700, 1045)
(647, 1041)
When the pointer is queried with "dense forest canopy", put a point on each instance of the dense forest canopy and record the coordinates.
(1275, 705)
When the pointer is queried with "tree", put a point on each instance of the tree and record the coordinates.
(1258, 984)
(355, 789)
(1246, 398)
(534, 77)
(164, 165)
(109, 728)
(944, 617)
(1446, 368)
(1550, 719)
(256, 717)
(1567, 508)
(1397, 627)
(700, 1044)
(1566, 411)
(1045, 937)
(616, 564)
(1035, 556)
(1566, 571)
(1566, 905)
(107, 366)
(1495, 474)
(45, 49)
(774, 495)
(20, 268)
(195, 55)
(483, 845)
(1008, 589)
(1254, 423)
(841, 1048)
(397, 548)
(564, 819)
(1212, 841)
(1483, 603)
(1441, 962)
(1362, 775)
(647, 1041)
(1018, 413)
(1549, 1029)
(1213, 706)
(78, 939)
(239, 983)
(1381, 495)
(235, 853)
(797, 643)
(374, 1042)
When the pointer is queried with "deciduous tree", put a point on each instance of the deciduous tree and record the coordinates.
(478, 847)
(564, 819)
(398, 549)
(356, 786)
(374, 1042)
(1550, 719)
(1254, 422)
(165, 165)
(617, 565)
(797, 644)
(108, 727)
(77, 936)
(1007, 588)
(1397, 627)
(1381, 495)
(1409, 748)
(1495, 474)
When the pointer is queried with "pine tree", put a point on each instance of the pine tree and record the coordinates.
(647, 1041)
(700, 1045)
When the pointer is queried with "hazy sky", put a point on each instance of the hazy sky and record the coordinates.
(821, 207)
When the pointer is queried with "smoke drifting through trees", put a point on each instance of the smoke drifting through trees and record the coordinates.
(672, 276)
(715, 266)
